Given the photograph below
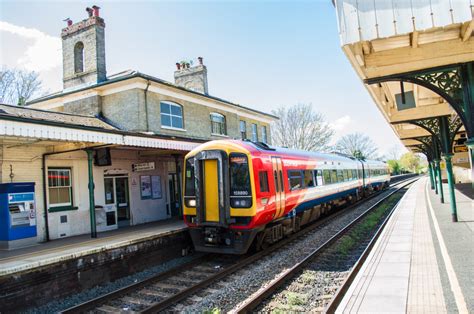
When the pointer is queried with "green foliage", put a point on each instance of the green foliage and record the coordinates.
(411, 162)
(395, 167)
(295, 298)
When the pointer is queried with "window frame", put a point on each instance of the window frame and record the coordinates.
(223, 126)
(294, 176)
(243, 131)
(171, 115)
(263, 129)
(260, 181)
(254, 134)
(71, 194)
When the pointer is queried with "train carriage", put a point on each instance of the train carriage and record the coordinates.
(238, 193)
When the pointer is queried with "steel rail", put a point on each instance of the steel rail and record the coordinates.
(256, 300)
(159, 306)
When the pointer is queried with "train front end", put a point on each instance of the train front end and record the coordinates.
(219, 197)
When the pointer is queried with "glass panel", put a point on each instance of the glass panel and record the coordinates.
(334, 176)
(177, 122)
(109, 191)
(121, 187)
(239, 175)
(308, 179)
(189, 188)
(165, 120)
(263, 178)
(165, 108)
(176, 110)
(60, 196)
(327, 176)
(242, 126)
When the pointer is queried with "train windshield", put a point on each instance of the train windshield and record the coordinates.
(190, 187)
(239, 175)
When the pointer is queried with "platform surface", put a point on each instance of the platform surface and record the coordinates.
(421, 261)
(73, 247)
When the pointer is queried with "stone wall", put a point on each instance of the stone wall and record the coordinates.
(91, 106)
(91, 33)
(194, 78)
(126, 110)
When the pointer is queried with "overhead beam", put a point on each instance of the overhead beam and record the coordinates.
(466, 30)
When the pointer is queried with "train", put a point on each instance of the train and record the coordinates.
(243, 194)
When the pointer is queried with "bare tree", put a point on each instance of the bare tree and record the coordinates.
(300, 127)
(357, 145)
(18, 86)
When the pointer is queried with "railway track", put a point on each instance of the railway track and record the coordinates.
(314, 267)
(163, 290)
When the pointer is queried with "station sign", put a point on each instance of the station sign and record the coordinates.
(143, 166)
(460, 149)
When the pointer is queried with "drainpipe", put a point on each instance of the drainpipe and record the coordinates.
(146, 106)
(45, 186)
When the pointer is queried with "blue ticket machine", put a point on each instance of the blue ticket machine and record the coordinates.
(17, 215)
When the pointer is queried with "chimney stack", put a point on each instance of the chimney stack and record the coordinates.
(192, 77)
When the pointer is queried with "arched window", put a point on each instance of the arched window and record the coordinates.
(171, 115)
(218, 124)
(79, 57)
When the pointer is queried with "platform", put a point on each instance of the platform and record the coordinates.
(74, 247)
(421, 262)
(62, 267)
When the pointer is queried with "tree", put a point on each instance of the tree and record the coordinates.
(410, 162)
(395, 167)
(18, 86)
(357, 145)
(300, 127)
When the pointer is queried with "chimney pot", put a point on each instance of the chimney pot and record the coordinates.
(178, 65)
(89, 11)
(96, 10)
(68, 21)
(200, 60)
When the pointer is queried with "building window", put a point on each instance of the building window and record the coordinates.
(243, 130)
(218, 124)
(264, 134)
(254, 133)
(79, 57)
(59, 187)
(171, 115)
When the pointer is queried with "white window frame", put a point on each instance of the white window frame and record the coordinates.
(170, 115)
(254, 132)
(219, 115)
(264, 133)
(68, 186)
(243, 129)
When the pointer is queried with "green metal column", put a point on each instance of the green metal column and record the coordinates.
(430, 170)
(90, 156)
(452, 195)
(470, 145)
(440, 180)
(435, 182)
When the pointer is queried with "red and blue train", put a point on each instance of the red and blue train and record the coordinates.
(241, 193)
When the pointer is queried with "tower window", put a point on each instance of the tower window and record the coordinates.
(79, 57)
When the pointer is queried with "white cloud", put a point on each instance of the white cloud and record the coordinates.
(340, 124)
(43, 51)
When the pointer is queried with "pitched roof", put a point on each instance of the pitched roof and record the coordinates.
(129, 74)
(53, 116)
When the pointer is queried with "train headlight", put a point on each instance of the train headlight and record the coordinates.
(191, 203)
(240, 202)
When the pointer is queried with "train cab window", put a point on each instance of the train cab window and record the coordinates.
(189, 186)
(239, 175)
(295, 177)
(263, 178)
(327, 176)
(334, 176)
(308, 179)
(318, 175)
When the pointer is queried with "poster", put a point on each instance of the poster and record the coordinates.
(145, 187)
(156, 186)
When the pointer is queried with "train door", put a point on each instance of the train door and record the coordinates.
(277, 168)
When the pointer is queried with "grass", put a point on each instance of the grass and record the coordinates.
(294, 298)
(360, 231)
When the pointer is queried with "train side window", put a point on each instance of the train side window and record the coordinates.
(361, 175)
(308, 179)
(318, 175)
(354, 174)
(295, 177)
(275, 177)
(347, 175)
(327, 176)
(334, 176)
(281, 181)
(263, 178)
(340, 176)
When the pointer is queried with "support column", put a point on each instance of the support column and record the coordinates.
(440, 181)
(470, 145)
(430, 170)
(452, 195)
(435, 182)
(90, 157)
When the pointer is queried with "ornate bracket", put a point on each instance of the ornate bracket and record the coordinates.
(455, 83)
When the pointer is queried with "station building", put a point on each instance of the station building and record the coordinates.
(106, 151)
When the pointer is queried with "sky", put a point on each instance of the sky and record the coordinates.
(261, 54)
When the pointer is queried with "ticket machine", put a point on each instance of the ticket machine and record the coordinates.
(17, 215)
